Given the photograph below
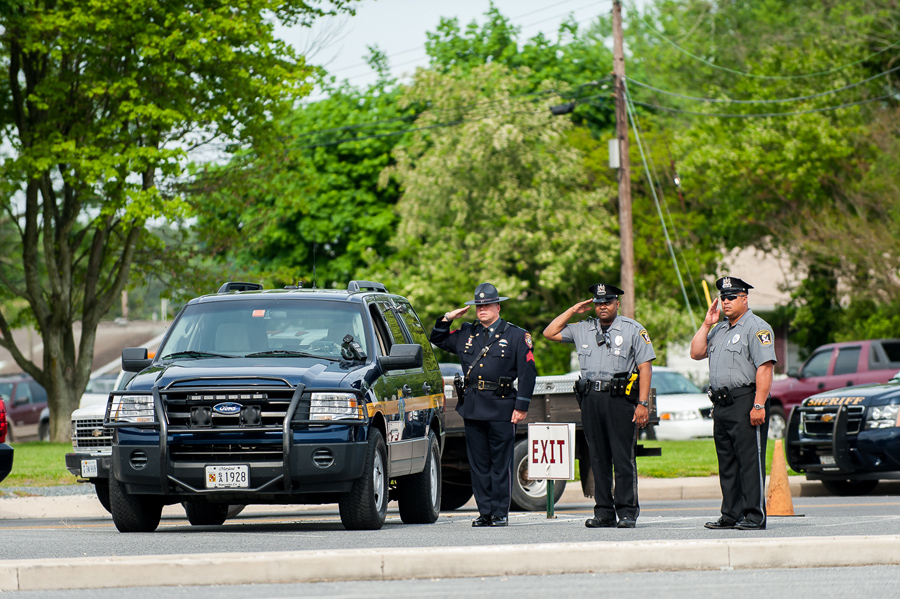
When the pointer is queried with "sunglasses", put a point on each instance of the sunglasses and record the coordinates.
(731, 296)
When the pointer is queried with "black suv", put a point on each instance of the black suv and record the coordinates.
(281, 396)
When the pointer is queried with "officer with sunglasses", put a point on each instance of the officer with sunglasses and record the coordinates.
(615, 354)
(741, 352)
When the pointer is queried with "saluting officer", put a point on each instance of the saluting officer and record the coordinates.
(611, 350)
(493, 353)
(741, 354)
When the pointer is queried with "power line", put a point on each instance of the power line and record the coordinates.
(426, 127)
(440, 110)
(761, 115)
(774, 101)
(746, 74)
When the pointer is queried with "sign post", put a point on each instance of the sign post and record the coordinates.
(551, 455)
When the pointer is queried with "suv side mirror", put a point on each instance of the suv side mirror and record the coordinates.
(134, 359)
(794, 372)
(402, 356)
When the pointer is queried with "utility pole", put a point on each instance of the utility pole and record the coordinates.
(626, 242)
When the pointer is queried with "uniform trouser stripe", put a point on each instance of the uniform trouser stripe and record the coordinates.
(760, 452)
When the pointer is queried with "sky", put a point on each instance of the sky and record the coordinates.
(398, 28)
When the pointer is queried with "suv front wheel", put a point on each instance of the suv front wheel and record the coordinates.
(133, 513)
(365, 506)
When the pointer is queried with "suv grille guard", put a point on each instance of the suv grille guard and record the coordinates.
(844, 417)
(280, 385)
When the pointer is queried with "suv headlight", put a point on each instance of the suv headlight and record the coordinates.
(335, 406)
(883, 416)
(132, 408)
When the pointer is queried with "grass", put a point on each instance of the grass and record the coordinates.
(38, 464)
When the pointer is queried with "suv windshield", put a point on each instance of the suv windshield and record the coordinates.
(264, 327)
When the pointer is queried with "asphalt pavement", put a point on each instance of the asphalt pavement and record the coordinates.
(67, 542)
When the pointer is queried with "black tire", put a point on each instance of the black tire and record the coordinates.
(455, 493)
(44, 431)
(200, 513)
(234, 510)
(133, 513)
(777, 422)
(419, 495)
(101, 488)
(846, 488)
(365, 506)
(530, 495)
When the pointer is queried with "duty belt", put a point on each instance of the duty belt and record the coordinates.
(487, 386)
(602, 386)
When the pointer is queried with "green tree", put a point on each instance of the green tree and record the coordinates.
(102, 103)
(502, 197)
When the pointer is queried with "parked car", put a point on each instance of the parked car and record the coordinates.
(6, 452)
(832, 366)
(683, 409)
(26, 408)
(847, 438)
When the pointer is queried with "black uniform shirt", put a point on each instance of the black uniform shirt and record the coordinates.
(510, 355)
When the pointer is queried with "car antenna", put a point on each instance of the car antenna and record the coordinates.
(314, 264)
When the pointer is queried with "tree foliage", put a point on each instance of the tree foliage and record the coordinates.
(102, 103)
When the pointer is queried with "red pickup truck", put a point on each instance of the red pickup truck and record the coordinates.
(830, 367)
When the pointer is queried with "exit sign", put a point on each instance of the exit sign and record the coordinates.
(551, 451)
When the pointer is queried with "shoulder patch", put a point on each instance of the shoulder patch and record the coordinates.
(645, 336)
(765, 337)
(528, 340)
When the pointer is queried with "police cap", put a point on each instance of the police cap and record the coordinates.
(732, 285)
(604, 293)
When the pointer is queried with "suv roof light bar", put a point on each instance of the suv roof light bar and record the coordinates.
(239, 286)
(366, 286)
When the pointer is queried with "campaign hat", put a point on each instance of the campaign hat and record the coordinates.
(486, 294)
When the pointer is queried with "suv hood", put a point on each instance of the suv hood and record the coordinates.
(229, 372)
(863, 395)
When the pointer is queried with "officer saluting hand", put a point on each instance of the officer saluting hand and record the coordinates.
(612, 350)
(741, 354)
(493, 353)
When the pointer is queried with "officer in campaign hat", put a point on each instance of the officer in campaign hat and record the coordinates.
(741, 352)
(493, 353)
(612, 350)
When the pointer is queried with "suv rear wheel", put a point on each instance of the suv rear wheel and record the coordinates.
(419, 495)
(365, 506)
(133, 513)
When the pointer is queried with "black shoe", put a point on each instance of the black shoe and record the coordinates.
(626, 523)
(499, 520)
(599, 523)
(720, 524)
(481, 521)
(745, 524)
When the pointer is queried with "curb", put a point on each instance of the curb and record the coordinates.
(446, 562)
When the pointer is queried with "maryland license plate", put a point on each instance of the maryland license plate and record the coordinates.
(89, 468)
(826, 460)
(227, 477)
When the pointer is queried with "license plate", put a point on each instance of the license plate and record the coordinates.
(89, 468)
(826, 460)
(227, 477)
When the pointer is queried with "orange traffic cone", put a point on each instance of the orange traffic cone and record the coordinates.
(778, 499)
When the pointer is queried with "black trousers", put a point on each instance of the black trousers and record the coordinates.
(741, 450)
(611, 437)
(490, 448)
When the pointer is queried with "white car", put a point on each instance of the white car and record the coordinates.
(684, 411)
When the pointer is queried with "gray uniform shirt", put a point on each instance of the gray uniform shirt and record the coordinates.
(628, 345)
(736, 352)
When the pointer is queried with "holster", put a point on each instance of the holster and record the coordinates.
(581, 388)
(460, 384)
(727, 397)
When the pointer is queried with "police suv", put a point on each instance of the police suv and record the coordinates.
(282, 396)
(847, 438)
